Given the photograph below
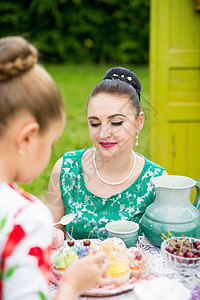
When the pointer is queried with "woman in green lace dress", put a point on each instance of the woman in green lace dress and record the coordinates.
(108, 181)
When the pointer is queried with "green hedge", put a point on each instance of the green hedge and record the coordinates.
(113, 31)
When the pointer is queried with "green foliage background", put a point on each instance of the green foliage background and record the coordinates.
(81, 30)
(78, 41)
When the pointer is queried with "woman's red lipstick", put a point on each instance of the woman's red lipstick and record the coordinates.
(107, 145)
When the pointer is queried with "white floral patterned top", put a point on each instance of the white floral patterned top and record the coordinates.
(93, 212)
(25, 245)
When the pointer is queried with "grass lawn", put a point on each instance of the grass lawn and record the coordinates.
(76, 83)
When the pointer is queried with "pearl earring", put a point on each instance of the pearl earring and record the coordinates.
(136, 138)
(21, 152)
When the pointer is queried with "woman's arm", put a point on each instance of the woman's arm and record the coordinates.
(55, 203)
(54, 200)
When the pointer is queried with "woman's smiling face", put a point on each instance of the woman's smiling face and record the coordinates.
(112, 123)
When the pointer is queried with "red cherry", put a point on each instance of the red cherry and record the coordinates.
(198, 253)
(196, 244)
(198, 247)
(190, 254)
(178, 245)
(86, 242)
(184, 250)
(174, 239)
(189, 245)
(170, 249)
(138, 256)
(70, 243)
(180, 254)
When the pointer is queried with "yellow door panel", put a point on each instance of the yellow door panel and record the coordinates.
(175, 86)
(184, 149)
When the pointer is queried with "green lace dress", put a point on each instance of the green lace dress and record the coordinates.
(93, 212)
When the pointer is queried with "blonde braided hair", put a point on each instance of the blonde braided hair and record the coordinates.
(12, 67)
(25, 86)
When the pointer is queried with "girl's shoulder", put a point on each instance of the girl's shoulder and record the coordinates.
(17, 203)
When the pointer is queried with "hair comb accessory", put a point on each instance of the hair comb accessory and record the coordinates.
(126, 76)
(127, 79)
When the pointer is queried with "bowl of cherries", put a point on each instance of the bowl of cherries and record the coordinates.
(183, 255)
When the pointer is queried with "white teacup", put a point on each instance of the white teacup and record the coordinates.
(125, 230)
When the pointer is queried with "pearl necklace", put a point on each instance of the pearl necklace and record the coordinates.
(114, 183)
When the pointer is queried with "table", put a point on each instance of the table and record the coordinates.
(158, 267)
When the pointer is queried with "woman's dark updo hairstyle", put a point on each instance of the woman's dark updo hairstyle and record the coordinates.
(25, 87)
(120, 81)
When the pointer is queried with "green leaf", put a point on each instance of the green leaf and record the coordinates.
(3, 221)
(42, 296)
(9, 272)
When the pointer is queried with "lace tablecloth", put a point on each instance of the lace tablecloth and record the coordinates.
(157, 267)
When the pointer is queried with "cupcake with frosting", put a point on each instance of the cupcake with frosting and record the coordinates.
(95, 246)
(138, 262)
(70, 243)
(62, 260)
(112, 245)
(118, 269)
(82, 250)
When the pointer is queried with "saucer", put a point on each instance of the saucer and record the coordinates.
(159, 267)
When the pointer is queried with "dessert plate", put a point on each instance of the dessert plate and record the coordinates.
(109, 290)
(112, 290)
(104, 291)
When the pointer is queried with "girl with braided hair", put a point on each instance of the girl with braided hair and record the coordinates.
(108, 181)
(32, 118)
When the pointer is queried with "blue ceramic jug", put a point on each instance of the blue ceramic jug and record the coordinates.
(172, 209)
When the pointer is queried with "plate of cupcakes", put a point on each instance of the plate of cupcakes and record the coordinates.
(127, 266)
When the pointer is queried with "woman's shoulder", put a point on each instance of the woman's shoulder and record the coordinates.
(152, 167)
(71, 164)
(74, 155)
(153, 164)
